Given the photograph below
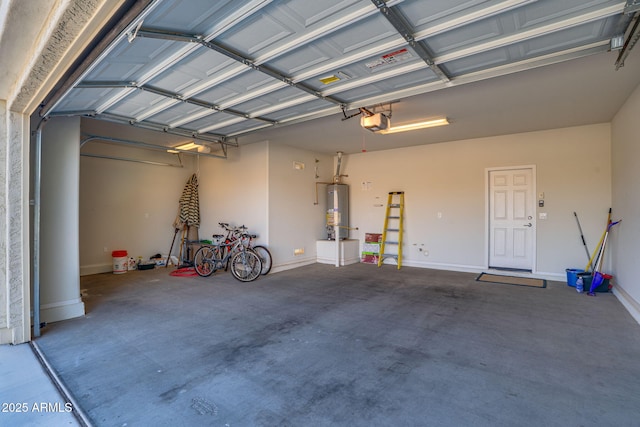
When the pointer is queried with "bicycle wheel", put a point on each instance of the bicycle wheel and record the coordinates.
(265, 257)
(204, 261)
(246, 266)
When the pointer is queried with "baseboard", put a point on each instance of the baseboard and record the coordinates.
(343, 261)
(292, 264)
(441, 266)
(557, 277)
(62, 310)
(632, 306)
(86, 270)
(479, 269)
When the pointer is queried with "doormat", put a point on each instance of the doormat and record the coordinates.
(512, 280)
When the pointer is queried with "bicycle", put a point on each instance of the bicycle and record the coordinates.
(234, 233)
(245, 263)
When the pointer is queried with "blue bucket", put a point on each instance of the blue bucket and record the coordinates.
(572, 276)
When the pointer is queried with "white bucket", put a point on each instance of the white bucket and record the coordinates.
(120, 262)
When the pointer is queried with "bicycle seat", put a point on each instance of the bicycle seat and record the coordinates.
(253, 236)
(217, 236)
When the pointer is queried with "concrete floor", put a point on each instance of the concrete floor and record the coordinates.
(348, 346)
(27, 395)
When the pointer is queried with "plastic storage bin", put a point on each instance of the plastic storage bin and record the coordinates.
(587, 279)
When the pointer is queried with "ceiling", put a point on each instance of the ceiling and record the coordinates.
(243, 70)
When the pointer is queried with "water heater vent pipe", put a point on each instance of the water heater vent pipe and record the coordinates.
(337, 178)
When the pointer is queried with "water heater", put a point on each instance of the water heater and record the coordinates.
(338, 210)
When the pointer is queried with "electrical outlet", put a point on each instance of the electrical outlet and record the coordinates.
(105, 249)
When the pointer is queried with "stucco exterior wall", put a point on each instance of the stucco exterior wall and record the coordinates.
(39, 41)
(14, 235)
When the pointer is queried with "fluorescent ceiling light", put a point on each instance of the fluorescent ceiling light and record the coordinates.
(415, 126)
(188, 146)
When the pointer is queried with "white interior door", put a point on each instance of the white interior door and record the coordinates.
(511, 219)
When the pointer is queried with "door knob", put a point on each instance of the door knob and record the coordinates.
(528, 225)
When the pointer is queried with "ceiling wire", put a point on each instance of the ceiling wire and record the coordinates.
(364, 141)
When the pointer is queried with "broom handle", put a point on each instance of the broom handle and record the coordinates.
(595, 252)
(584, 243)
(598, 246)
(166, 264)
(600, 260)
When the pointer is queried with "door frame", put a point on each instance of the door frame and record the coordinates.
(487, 208)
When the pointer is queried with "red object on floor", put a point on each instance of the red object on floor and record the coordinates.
(184, 272)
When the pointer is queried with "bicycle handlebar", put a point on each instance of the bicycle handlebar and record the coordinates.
(227, 227)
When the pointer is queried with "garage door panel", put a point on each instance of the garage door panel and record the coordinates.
(137, 103)
(356, 42)
(177, 113)
(87, 99)
(282, 23)
(311, 106)
(194, 16)
(203, 68)
(130, 61)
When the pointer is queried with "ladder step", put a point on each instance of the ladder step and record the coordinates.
(398, 203)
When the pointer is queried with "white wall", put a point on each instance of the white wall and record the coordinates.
(258, 186)
(573, 170)
(59, 254)
(132, 206)
(625, 237)
(127, 205)
(295, 221)
(235, 190)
